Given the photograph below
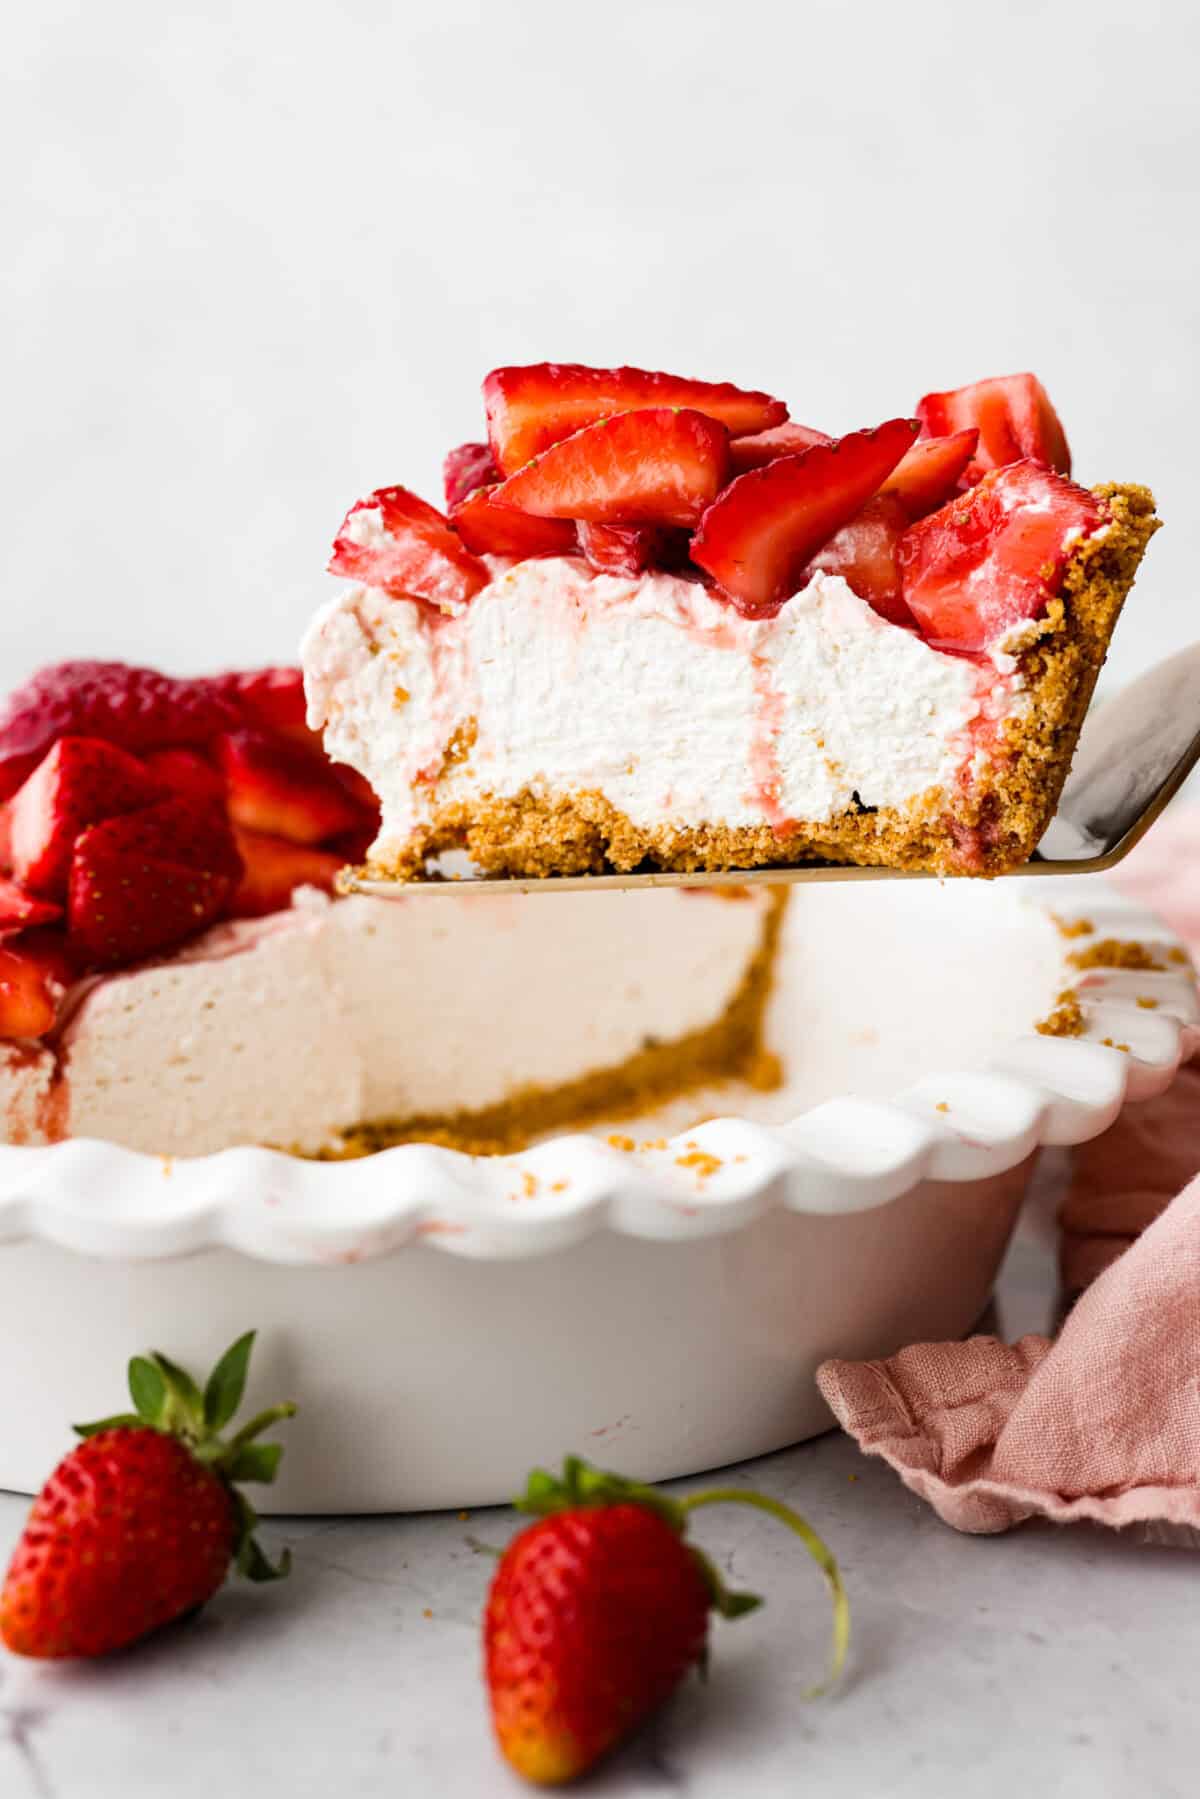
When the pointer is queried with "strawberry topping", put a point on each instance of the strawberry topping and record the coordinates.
(658, 467)
(269, 699)
(80, 781)
(274, 786)
(528, 409)
(866, 553)
(499, 531)
(632, 549)
(134, 708)
(394, 540)
(757, 539)
(784, 440)
(994, 556)
(145, 883)
(185, 775)
(1014, 418)
(465, 469)
(931, 471)
(31, 985)
(19, 909)
(272, 870)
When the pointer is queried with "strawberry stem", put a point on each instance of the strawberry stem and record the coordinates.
(262, 1421)
(820, 1553)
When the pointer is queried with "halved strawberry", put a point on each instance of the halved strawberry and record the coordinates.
(269, 699)
(81, 781)
(758, 537)
(866, 553)
(994, 556)
(784, 440)
(136, 709)
(1014, 418)
(122, 909)
(31, 985)
(632, 549)
(177, 830)
(187, 776)
(530, 408)
(465, 469)
(393, 539)
(273, 869)
(499, 531)
(661, 466)
(19, 909)
(931, 471)
(274, 786)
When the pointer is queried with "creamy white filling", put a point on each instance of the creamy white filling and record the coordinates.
(648, 690)
(287, 1030)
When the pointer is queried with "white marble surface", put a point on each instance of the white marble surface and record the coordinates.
(1058, 1662)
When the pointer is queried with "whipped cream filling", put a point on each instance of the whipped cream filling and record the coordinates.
(289, 1029)
(649, 690)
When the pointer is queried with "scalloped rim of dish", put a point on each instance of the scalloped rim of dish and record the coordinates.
(848, 1154)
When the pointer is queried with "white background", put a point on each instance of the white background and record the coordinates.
(258, 257)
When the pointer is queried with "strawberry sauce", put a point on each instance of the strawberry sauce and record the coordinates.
(765, 771)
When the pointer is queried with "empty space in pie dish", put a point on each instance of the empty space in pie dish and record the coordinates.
(879, 984)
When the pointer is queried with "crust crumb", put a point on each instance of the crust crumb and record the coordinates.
(1115, 952)
(1066, 1020)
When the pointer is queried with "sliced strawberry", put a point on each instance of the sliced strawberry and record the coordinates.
(657, 467)
(177, 831)
(465, 469)
(528, 409)
(994, 556)
(785, 440)
(19, 909)
(1014, 418)
(632, 549)
(269, 699)
(499, 531)
(34, 972)
(6, 838)
(393, 539)
(134, 708)
(122, 907)
(187, 776)
(81, 781)
(866, 553)
(931, 471)
(757, 539)
(274, 869)
(275, 786)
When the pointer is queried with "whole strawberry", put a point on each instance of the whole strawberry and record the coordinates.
(598, 1611)
(140, 1522)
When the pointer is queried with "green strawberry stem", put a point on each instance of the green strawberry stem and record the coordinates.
(821, 1554)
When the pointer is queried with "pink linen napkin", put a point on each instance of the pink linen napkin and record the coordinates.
(1104, 1422)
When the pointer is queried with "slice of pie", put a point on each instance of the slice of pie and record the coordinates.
(176, 976)
(663, 626)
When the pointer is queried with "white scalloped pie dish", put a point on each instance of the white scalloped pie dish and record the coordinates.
(447, 1322)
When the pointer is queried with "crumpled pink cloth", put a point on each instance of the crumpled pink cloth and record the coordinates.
(1104, 1422)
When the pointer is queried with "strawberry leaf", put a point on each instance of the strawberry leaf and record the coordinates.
(117, 1420)
(256, 1461)
(227, 1383)
(147, 1389)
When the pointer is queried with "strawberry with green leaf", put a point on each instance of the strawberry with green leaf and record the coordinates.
(599, 1610)
(141, 1522)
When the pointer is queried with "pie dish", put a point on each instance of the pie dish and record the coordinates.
(659, 1301)
(176, 977)
(663, 626)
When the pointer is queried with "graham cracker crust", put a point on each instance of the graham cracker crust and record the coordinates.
(982, 828)
(731, 1048)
